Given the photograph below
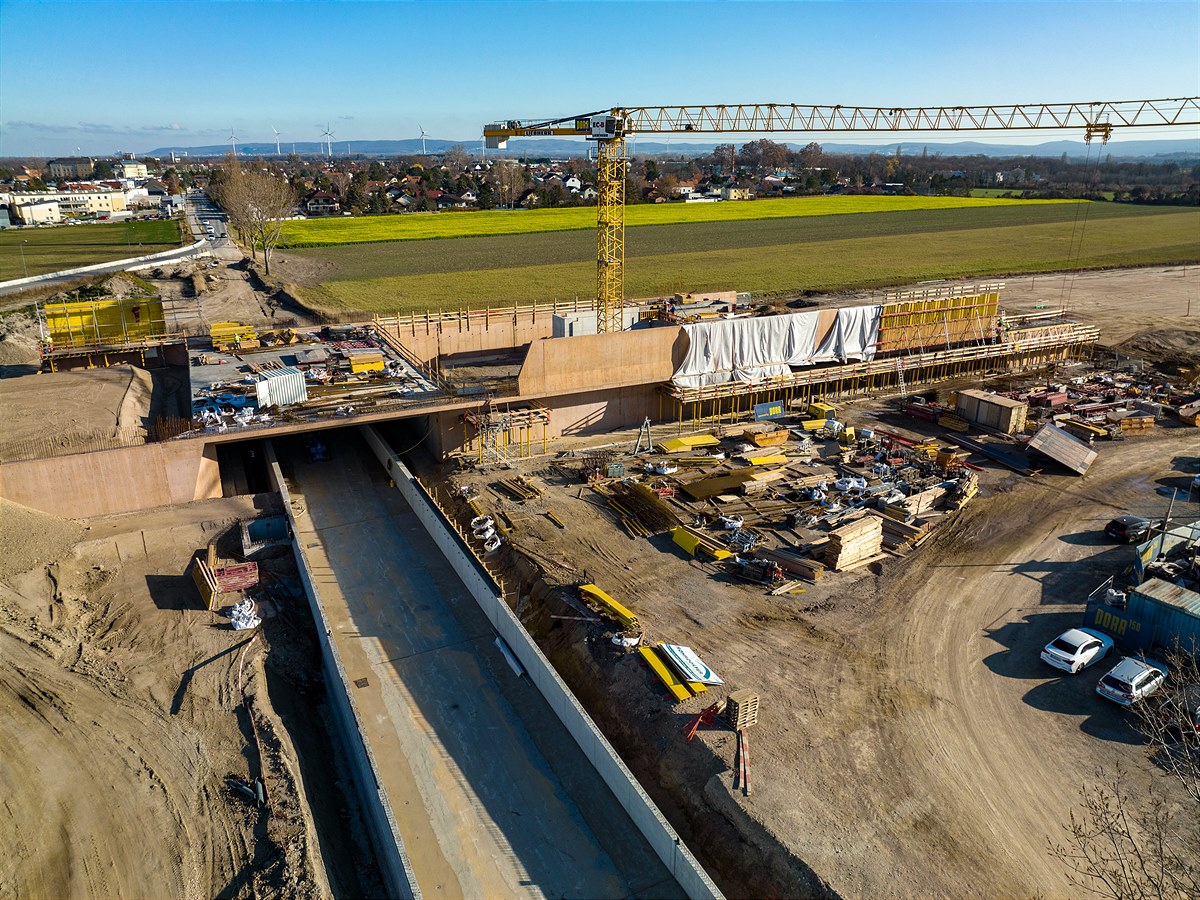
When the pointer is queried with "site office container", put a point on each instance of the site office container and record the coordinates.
(992, 411)
(1157, 615)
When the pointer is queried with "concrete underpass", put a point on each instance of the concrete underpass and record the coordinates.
(491, 795)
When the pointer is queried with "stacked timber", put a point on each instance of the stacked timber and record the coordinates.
(793, 563)
(1136, 424)
(854, 542)
(897, 534)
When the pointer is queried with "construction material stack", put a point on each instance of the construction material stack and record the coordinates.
(854, 543)
(741, 709)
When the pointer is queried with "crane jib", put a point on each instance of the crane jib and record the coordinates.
(610, 128)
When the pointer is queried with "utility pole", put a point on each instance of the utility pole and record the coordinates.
(24, 268)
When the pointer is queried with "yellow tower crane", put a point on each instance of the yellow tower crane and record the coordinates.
(610, 128)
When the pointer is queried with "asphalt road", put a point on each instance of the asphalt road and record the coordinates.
(490, 794)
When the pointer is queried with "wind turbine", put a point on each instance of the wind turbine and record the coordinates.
(276, 130)
(328, 135)
(233, 141)
(423, 153)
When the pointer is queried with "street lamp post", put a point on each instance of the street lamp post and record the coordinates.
(24, 268)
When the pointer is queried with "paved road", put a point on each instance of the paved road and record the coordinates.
(490, 793)
(201, 211)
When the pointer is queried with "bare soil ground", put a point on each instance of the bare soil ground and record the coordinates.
(911, 743)
(123, 715)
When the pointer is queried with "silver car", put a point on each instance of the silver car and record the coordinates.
(1132, 680)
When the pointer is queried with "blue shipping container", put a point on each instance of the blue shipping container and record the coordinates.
(1157, 614)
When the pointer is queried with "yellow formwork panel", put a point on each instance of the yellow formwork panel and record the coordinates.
(111, 321)
(918, 324)
(679, 444)
(766, 460)
(665, 675)
(366, 365)
(610, 606)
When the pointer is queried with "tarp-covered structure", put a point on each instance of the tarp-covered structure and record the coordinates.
(749, 351)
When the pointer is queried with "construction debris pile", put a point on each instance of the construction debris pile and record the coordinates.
(250, 377)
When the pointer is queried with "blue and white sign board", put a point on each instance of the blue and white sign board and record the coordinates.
(771, 410)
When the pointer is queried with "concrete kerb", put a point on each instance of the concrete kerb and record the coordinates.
(649, 820)
(394, 863)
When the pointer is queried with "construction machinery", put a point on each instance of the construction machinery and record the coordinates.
(610, 129)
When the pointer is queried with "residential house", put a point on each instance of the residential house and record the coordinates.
(528, 199)
(77, 200)
(572, 184)
(39, 212)
(321, 203)
(589, 192)
(734, 192)
(132, 168)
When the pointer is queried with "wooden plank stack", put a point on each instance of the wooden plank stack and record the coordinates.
(854, 542)
(793, 563)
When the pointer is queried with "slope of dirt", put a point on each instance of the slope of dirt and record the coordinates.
(30, 538)
(1172, 349)
(123, 709)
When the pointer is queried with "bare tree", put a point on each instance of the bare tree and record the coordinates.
(1137, 847)
(510, 181)
(271, 200)
(256, 203)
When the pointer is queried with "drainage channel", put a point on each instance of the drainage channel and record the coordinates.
(479, 787)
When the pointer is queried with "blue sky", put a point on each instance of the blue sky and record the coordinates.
(137, 75)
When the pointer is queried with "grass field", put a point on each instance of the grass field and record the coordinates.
(66, 247)
(766, 257)
(377, 229)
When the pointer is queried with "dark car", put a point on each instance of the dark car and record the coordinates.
(1128, 529)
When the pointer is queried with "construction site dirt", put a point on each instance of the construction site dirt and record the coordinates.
(910, 742)
(129, 711)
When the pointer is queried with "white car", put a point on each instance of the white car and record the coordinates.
(1076, 649)
(1131, 680)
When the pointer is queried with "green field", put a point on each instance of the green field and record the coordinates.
(70, 246)
(427, 226)
(766, 257)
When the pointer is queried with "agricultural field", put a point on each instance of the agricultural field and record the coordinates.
(416, 227)
(66, 247)
(772, 257)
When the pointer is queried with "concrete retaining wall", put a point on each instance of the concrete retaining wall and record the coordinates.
(124, 479)
(636, 802)
(394, 865)
(199, 248)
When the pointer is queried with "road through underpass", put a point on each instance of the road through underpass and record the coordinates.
(491, 795)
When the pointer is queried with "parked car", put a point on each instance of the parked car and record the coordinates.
(1128, 529)
(1077, 649)
(1132, 680)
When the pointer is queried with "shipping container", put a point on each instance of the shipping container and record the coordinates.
(993, 411)
(1157, 615)
(280, 387)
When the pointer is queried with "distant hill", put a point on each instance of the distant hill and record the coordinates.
(1162, 150)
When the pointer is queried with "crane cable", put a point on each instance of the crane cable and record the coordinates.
(1075, 251)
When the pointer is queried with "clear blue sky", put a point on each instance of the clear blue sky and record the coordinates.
(137, 75)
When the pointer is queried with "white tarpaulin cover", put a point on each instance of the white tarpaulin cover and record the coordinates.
(751, 350)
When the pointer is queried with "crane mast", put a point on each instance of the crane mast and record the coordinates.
(609, 129)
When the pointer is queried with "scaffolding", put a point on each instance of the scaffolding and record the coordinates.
(1028, 342)
(504, 434)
